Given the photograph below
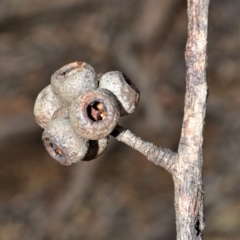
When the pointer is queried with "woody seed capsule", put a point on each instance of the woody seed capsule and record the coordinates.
(94, 114)
(73, 79)
(62, 143)
(125, 91)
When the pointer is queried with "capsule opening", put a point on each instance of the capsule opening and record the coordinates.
(96, 111)
(54, 150)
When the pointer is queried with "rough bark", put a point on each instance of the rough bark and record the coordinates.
(188, 178)
(186, 165)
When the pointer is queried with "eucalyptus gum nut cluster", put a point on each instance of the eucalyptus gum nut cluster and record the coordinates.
(95, 114)
(78, 115)
(125, 91)
(72, 80)
(62, 143)
(47, 103)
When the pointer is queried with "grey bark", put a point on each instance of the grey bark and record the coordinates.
(188, 178)
(185, 165)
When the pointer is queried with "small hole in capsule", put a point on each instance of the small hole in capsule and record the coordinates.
(66, 70)
(58, 151)
(96, 111)
(54, 149)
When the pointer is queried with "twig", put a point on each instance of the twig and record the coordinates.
(188, 180)
(160, 156)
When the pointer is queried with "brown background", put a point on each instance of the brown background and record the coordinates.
(121, 195)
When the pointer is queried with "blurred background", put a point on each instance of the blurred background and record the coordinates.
(120, 195)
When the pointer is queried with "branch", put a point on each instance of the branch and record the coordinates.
(160, 156)
(188, 180)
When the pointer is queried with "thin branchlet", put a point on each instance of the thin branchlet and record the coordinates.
(160, 156)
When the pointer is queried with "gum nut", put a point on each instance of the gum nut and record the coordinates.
(125, 91)
(45, 106)
(73, 79)
(95, 114)
(62, 143)
(96, 148)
